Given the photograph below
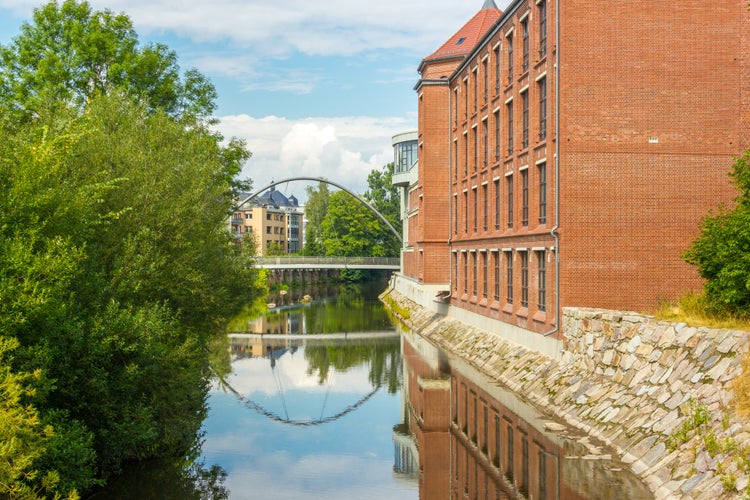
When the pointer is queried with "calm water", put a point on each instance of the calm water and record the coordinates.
(328, 400)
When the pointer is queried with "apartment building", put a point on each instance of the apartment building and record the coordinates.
(273, 220)
(567, 152)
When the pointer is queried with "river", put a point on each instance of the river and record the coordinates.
(329, 399)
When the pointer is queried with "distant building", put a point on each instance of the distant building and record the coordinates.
(567, 153)
(271, 219)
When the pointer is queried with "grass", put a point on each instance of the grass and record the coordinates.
(691, 309)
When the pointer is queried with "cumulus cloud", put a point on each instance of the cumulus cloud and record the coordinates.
(344, 149)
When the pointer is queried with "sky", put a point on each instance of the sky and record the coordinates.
(316, 88)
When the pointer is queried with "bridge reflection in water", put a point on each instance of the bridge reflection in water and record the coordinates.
(470, 438)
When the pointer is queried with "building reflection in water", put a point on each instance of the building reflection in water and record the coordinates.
(467, 437)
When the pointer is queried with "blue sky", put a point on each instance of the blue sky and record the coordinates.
(316, 88)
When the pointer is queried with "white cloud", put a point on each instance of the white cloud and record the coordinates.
(343, 150)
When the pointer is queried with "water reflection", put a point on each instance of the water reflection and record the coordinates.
(473, 439)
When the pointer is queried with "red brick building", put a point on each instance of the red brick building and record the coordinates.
(567, 152)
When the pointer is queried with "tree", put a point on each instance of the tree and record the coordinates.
(69, 53)
(351, 229)
(722, 251)
(384, 196)
(315, 211)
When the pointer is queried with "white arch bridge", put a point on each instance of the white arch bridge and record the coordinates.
(285, 262)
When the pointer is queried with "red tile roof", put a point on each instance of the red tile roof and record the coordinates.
(467, 37)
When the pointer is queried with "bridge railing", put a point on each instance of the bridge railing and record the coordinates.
(313, 262)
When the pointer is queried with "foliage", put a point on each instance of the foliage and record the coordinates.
(692, 309)
(384, 196)
(722, 251)
(315, 211)
(115, 267)
(275, 249)
(69, 53)
(350, 229)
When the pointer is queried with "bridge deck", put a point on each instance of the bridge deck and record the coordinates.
(281, 262)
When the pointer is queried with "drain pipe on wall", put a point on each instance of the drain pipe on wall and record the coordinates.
(553, 231)
(447, 297)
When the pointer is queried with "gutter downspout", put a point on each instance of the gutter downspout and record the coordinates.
(447, 297)
(553, 231)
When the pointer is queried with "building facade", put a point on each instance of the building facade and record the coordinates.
(567, 154)
(273, 220)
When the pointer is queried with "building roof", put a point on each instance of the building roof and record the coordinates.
(277, 199)
(467, 37)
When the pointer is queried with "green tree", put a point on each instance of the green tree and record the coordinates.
(722, 251)
(315, 211)
(384, 196)
(351, 229)
(68, 53)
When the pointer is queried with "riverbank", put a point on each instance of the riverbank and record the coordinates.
(657, 393)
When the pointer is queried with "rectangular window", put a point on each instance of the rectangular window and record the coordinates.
(484, 206)
(525, 197)
(525, 33)
(542, 87)
(455, 107)
(497, 68)
(524, 120)
(476, 88)
(524, 278)
(466, 98)
(474, 204)
(466, 155)
(474, 293)
(455, 159)
(509, 109)
(466, 211)
(496, 265)
(498, 447)
(509, 277)
(484, 274)
(542, 168)
(486, 81)
(496, 182)
(497, 135)
(509, 465)
(510, 201)
(466, 283)
(486, 141)
(541, 266)
(524, 466)
(475, 140)
(455, 214)
(509, 40)
(542, 29)
(455, 271)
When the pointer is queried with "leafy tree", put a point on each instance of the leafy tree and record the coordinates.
(274, 249)
(384, 196)
(315, 211)
(351, 229)
(69, 53)
(722, 251)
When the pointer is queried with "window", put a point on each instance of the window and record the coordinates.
(542, 29)
(466, 211)
(510, 201)
(496, 182)
(509, 277)
(525, 33)
(497, 135)
(486, 82)
(484, 206)
(524, 465)
(542, 87)
(474, 293)
(466, 277)
(498, 447)
(509, 109)
(485, 419)
(524, 278)
(466, 98)
(475, 140)
(496, 265)
(455, 271)
(476, 87)
(525, 120)
(455, 214)
(542, 168)
(510, 57)
(455, 107)
(541, 266)
(525, 197)
(486, 143)
(248, 215)
(466, 155)
(455, 159)
(475, 202)
(497, 68)
(509, 465)
(484, 274)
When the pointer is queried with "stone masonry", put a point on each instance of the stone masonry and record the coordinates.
(632, 382)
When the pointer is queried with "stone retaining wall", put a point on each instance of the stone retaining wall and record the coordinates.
(630, 381)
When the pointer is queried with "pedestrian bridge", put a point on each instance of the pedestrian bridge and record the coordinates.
(284, 262)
